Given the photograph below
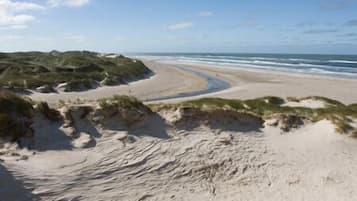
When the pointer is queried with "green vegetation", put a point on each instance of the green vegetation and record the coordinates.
(35, 69)
(265, 107)
(15, 116)
(16, 112)
(130, 109)
(120, 101)
(13, 104)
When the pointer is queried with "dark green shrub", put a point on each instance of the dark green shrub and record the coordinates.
(15, 116)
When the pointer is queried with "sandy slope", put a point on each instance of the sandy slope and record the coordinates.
(238, 160)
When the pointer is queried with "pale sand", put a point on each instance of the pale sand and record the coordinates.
(309, 103)
(236, 161)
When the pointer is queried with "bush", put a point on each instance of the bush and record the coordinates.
(15, 116)
(11, 103)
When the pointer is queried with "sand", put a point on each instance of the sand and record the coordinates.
(227, 159)
(308, 103)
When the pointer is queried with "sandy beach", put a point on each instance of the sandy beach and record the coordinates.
(248, 83)
(173, 78)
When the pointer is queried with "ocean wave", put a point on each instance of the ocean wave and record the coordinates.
(285, 67)
(260, 62)
(323, 65)
(343, 61)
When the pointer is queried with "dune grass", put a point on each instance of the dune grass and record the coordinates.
(120, 101)
(16, 112)
(338, 113)
(34, 69)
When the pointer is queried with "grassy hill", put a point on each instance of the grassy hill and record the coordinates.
(35, 69)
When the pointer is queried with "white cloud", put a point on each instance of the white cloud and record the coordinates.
(205, 13)
(14, 14)
(8, 20)
(11, 6)
(69, 3)
(178, 26)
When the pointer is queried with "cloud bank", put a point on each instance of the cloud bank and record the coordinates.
(18, 14)
(15, 14)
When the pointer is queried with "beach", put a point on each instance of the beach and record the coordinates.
(247, 83)
(173, 78)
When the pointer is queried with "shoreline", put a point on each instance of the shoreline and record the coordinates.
(252, 67)
(254, 70)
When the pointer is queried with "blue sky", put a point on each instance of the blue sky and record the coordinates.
(274, 26)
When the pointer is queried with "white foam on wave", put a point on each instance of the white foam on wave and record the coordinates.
(275, 64)
(343, 61)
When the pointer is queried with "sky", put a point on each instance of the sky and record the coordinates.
(234, 26)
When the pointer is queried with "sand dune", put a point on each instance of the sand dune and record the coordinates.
(170, 155)
(223, 156)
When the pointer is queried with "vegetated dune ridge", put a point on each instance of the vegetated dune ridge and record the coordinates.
(67, 71)
(209, 149)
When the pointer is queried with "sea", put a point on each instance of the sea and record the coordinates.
(333, 65)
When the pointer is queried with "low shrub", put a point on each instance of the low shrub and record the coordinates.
(15, 116)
